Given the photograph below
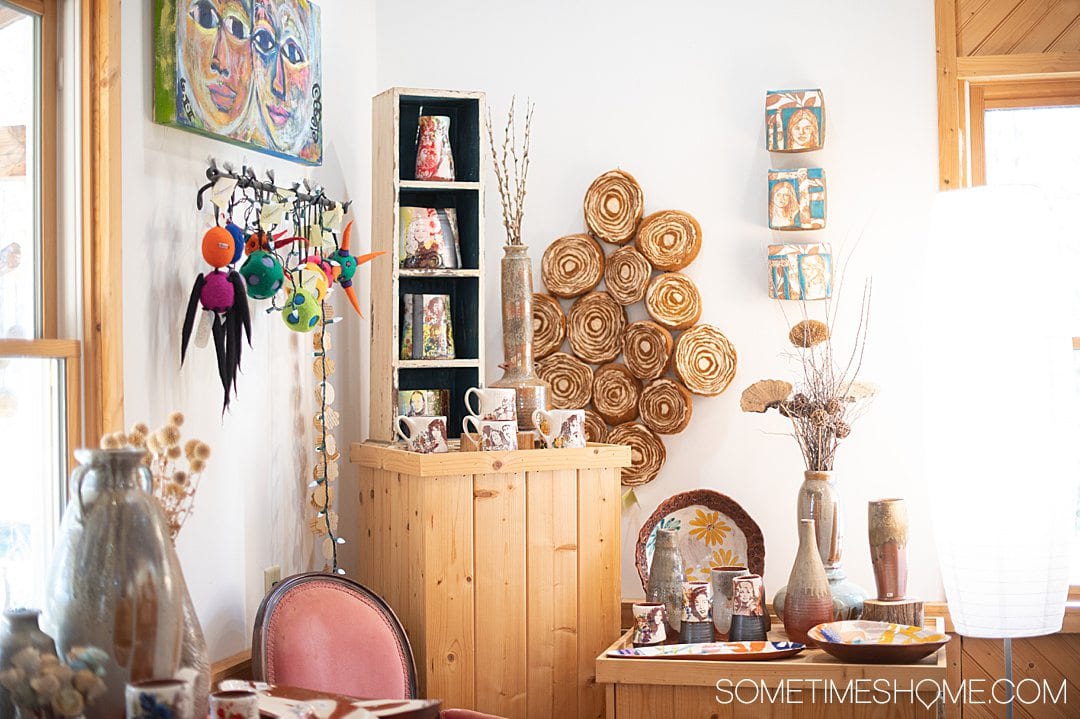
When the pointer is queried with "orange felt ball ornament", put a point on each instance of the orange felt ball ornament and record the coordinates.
(218, 247)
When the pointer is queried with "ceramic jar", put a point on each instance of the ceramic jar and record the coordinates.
(809, 601)
(888, 528)
(650, 624)
(747, 609)
(666, 576)
(434, 157)
(19, 631)
(722, 588)
(697, 625)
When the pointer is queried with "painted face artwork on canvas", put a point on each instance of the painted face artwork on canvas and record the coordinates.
(794, 120)
(797, 199)
(244, 71)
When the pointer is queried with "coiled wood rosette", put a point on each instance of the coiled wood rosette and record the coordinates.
(647, 349)
(647, 452)
(666, 406)
(595, 327)
(596, 429)
(613, 207)
(615, 393)
(673, 300)
(572, 266)
(627, 275)
(704, 360)
(669, 239)
(549, 325)
(570, 380)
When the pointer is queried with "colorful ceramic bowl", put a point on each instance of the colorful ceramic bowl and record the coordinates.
(863, 642)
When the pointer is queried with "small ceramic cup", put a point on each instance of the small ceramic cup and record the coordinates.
(560, 428)
(747, 609)
(427, 435)
(155, 698)
(650, 621)
(722, 596)
(236, 704)
(494, 435)
(492, 403)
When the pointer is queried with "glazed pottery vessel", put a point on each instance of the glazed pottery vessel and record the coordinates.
(20, 630)
(862, 642)
(519, 374)
(115, 581)
(560, 428)
(650, 624)
(888, 528)
(722, 597)
(234, 704)
(434, 157)
(666, 577)
(158, 699)
(809, 601)
(427, 435)
(819, 499)
(697, 626)
(747, 610)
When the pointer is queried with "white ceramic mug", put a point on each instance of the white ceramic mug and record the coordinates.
(234, 704)
(493, 435)
(561, 428)
(493, 403)
(427, 435)
(152, 697)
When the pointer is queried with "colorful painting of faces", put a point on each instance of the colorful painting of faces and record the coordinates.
(797, 199)
(245, 71)
(794, 120)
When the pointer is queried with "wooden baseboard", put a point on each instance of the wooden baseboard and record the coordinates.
(238, 666)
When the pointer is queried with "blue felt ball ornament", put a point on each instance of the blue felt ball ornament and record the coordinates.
(263, 274)
(238, 241)
(301, 312)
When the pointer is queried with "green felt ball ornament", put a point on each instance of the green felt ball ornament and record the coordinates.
(263, 274)
(301, 311)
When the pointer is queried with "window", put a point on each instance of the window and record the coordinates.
(39, 373)
(1021, 134)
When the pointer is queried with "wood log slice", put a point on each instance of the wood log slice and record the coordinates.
(613, 207)
(669, 239)
(570, 380)
(705, 360)
(596, 429)
(595, 326)
(647, 349)
(572, 266)
(647, 452)
(673, 300)
(900, 611)
(626, 275)
(615, 393)
(549, 325)
(666, 406)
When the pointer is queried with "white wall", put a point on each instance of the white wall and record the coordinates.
(250, 510)
(674, 94)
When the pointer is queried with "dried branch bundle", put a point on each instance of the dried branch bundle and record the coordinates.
(511, 164)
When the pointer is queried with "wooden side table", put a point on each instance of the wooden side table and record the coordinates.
(503, 567)
(796, 688)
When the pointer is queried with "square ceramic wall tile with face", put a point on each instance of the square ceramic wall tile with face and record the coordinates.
(794, 120)
(797, 199)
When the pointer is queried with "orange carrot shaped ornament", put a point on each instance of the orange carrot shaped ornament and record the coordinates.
(348, 264)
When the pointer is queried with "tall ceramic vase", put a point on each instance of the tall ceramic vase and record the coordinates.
(115, 581)
(809, 601)
(888, 527)
(517, 325)
(666, 577)
(20, 630)
(819, 500)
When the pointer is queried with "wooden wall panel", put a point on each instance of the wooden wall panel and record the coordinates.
(1012, 27)
(1052, 658)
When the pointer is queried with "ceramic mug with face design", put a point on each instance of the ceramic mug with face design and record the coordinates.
(234, 704)
(494, 435)
(492, 403)
(697, 602)
(650, 624)
(561, 428)
(427, 435)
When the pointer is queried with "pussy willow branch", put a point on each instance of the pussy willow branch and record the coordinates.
(511, 182)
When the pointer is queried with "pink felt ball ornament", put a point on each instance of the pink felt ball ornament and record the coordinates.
(218, 293)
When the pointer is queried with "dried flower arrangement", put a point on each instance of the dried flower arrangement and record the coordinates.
(511, 180)
(827, 398)
(174, 485)
(43, 686)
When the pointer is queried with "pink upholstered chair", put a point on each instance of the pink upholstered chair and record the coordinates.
(328, 633)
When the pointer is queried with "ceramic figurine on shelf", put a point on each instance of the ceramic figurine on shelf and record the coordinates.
(434, 157)
(747, 610)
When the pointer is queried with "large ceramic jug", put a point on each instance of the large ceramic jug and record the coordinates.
(115, 581)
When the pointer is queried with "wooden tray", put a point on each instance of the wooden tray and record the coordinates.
(713, 651)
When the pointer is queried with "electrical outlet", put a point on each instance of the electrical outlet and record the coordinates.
(271, 576)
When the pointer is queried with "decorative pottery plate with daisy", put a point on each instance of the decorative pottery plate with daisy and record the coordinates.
(877, 642)
(713, 531)
(713, 651)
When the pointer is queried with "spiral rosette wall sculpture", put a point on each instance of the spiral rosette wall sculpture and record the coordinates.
(615, 393)
(647, 452)
(647, 349)
(673, 300)
(572, 266)
(595, 327)
(613, 207)
(627, 275)
(704, 360)
(549, 325)
(596, 429)
(571, 380)
(669, 239)
(666, 406)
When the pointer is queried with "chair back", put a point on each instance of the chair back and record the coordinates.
(325, 632)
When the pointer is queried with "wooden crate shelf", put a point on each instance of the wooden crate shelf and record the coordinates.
(503, 567)
(395, 114)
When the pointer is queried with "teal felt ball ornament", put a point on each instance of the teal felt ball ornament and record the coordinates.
(263, 275)
(301, 311)
(348, 267)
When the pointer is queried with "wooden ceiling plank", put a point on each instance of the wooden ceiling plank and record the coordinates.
(982, 24)
(1068, 40)
(1042, 36)
(1015, 27)
(968, 9)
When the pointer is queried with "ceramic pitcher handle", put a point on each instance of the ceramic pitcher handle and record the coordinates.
(147, 478)
(397, 426)
(468, 393)
(465, 423)
(76, 483)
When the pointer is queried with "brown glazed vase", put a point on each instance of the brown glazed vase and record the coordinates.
(808, 601)
(519, 374)
(888, 525)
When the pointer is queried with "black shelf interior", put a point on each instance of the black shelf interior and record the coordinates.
(467, 206)
(464, 114)
(464, 308)
(454, 379)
